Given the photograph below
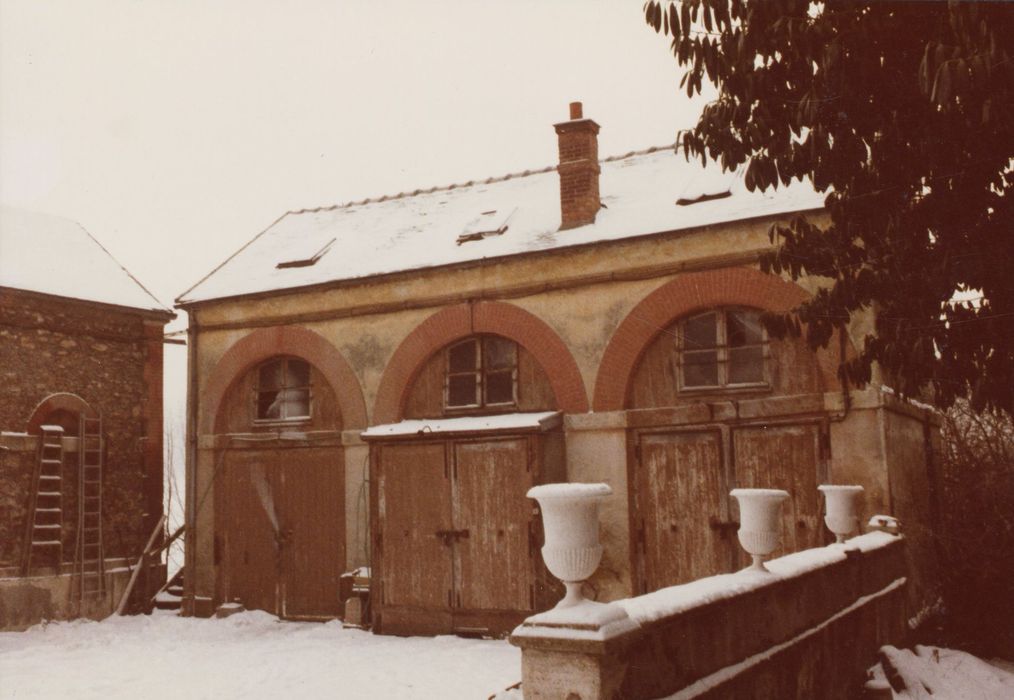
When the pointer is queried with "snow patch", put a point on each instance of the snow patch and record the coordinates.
(247, 655)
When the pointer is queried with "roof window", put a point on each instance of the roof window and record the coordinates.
(305, 260)
(488, 223)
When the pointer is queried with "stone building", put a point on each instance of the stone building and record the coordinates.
(378, 383)
(81, 415)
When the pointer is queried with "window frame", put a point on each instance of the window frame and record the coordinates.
(723, 354)
(481, 374)
(256, 392)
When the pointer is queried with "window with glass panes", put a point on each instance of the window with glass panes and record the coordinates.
(283, 390)
(722, 348)
(481, 371)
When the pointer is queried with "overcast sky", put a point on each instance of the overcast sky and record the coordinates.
(176, 131)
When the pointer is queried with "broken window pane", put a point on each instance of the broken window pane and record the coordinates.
(270, 378)
(500, 353)
(283, 390)
(744, 328)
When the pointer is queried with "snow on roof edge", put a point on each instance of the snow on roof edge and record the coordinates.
(161, 306)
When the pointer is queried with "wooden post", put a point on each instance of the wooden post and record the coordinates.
(140, 562)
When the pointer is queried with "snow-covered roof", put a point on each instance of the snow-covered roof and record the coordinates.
(462, 223)
(465, 424)
(53, 255)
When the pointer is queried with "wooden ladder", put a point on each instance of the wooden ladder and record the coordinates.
(89, 561)
(44, 532)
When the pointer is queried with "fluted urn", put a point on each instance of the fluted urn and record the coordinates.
(570, 518)
(760, 522)
(842, 516)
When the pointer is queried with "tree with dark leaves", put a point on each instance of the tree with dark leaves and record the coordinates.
(902, 113)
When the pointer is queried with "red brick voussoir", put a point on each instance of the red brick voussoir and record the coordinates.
(689, 292)
(284, 340)
(463, 320)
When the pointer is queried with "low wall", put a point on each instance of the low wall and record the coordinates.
(29, 600)
(809, 628)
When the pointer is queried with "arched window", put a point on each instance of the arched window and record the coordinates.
(282, 392)
(723, 348)
(481, 372)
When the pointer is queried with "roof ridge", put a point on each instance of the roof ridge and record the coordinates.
(470, 183)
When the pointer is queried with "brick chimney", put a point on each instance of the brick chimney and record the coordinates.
(579, 169)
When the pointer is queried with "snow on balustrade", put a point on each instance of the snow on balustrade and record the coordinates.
(676, 599)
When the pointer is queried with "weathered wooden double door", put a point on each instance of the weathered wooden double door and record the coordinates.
(454, 536)
(280, 530)
(685, 521)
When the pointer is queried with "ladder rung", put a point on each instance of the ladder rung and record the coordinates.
(49, 493)
(47, 510)
(49, 526)
(46, 543)
(50, 476)
(52, 461)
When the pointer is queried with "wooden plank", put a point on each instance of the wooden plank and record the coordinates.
(783, 457)
(313, 527)
(680, 490)
(413, 504)
(493, 568)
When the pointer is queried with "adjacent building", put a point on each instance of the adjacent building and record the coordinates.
(81, 421)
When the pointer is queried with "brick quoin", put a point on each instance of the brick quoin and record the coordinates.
(463, 320)
(284, 340)
(733, 286)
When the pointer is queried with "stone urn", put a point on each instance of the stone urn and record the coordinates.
(760, 522)
(842, 509)
(570, 518)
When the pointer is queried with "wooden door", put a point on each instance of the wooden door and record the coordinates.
(313, 531)
(680, 494)
(413, 506)
(493, 564)
(246, 531)
(784, 457)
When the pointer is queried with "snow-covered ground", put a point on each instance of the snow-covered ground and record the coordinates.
(250, 655)
(942, 674)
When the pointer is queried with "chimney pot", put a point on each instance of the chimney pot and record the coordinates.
(576, 111)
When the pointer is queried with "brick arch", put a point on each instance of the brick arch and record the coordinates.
(692, 291)
(54, 402)
(463, 320)
(285, 340)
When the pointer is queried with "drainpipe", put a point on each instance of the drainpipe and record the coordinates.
(190, 509)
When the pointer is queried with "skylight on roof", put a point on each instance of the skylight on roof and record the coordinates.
(488, 223)
(304, 260)
(711, 183)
